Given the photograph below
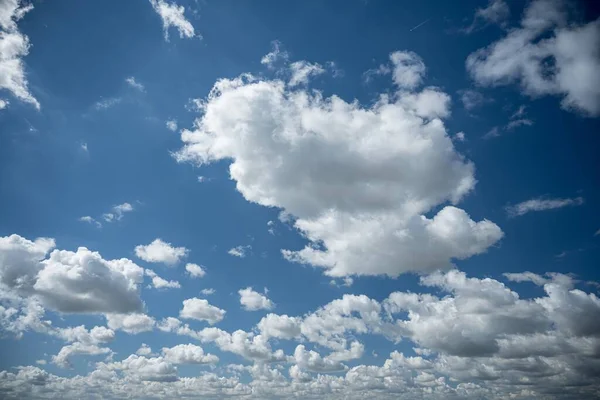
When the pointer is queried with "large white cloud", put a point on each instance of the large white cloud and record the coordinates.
(358, 179)
(547, 55)
(14, 45)
(66, 281)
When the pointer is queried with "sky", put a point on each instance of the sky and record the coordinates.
(300, 199)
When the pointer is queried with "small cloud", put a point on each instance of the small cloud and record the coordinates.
(3, 104)
(460, 137)
(208, 292)
(172, 16)
(271, 225)
(203, 179)
(134, 84)
(172, 125)
(541, 204)
(274, 55)
(84, 147)
(195, 270)
(347, 282)
(492, 133)
(161, 252)
(90, 220)
(117, 212)
(472, 99)
(240, 251)
(41, 362)
(497, 12)
(107, 103)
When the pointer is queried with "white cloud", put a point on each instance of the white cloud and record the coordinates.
(302, 71)
(194, 270)
(130, 323)
(171, 125)
(107, 103)
(541, 204)
(240, 251)
(91, 220)
(208, 291)
(62, 359)
(201, 310)
(276, 54)
(335, 167)
(254, 301)
(146, 369)
(546, 55)
(116, 213)
(14, 45)
(312, 361)
(135, 84)
(279, 326)
(188, 354)
(497, 12)
(161, 252)
(66, 281)
(250, 346)
(161, 283)
(460, 136)
(144, 350)
(3, 104)
(172, 16)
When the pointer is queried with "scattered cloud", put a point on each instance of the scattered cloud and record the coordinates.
(172, 125)
(547, 55)
(107, 103)
(173, 16)
(275, 55)
(472, 99)
(91, 220)
(160, 283)
(135, 84)
(208, 291)
(195, 270)
(14, 46)
(542, 204)
(188, 354)
(3, 104)
(201, 310)
(161, 252)
(497, 12)
(302, 71)
(117, 212)
(240, 251)
(254, 301)
(460, 137)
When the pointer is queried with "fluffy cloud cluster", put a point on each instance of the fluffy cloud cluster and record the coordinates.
(548, 54)
(14, 45)
(66, 281)
(201, 310)
(358, 179)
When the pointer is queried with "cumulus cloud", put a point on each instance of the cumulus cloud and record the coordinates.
(116, 213)
(254, 301)
(279, 326)
(194, 270)
(173, 16)
(201, 310)
(547, 55)
(14, 45)
(161, 252)
(130, 323)
(161, 283)
(542, 204)
(146, 369)
(358, 180)
(188, 354)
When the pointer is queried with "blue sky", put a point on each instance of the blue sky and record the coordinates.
(299, 199)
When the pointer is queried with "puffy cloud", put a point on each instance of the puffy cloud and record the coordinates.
(194, 270)
(302, 71)
(130, 323)
(240, 251)
(253, 301)
(63, 356)
(279, 326)
(541, 204)
(66, 281)
(14, 45)
(135, 84)
(312, 361)
(146, 369)
(3, 104)
(201, 310)
(358, 180)
(172, 15)
(246, 344)
(161, 283)
(188, 354)
(161, 252)
(546, 55)
(274, 55)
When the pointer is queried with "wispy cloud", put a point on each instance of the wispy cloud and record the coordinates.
(91, 220)
(420, 25)
(173, 16)
(107, 103)
(135, 84)
(240, 251)
(541, 204)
